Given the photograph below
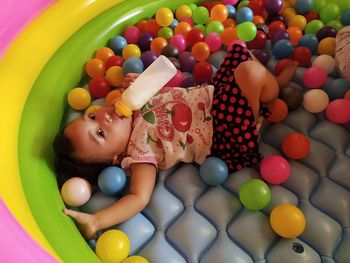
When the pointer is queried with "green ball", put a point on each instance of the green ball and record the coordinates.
(318, 5)
(329, 12)
(337, 25)
(200, 15)
(244, 3)
(193, 6)
(215, 27)
(254, 194)
(313, 27)
(166, 32)
(344, 4)
(246, 31)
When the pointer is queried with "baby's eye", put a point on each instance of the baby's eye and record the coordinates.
(92, 116)
(100, 133)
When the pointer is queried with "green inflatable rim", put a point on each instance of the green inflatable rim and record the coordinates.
(42, 117)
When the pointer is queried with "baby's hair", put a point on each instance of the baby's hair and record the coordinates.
(68, 166)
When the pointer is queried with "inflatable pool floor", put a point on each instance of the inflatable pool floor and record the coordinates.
(187, 221)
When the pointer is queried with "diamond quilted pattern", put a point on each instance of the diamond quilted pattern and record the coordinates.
(300, 120)
(280, 195)
(343, 252)
(340, 171)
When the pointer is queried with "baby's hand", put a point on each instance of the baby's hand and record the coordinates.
(87, 224)
(129, 79)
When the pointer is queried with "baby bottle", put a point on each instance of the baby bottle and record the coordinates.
(145, 86)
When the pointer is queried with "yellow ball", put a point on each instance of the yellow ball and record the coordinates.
(326, 46)
(115, 76)
(164, 16)
(92, 108)
(288, 13)
(79, 98)
(183, 11)
(131, 50)
(135, 259)
(287, 220)
(113, 246)
(298, 21)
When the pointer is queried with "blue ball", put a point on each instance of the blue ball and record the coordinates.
(345, 17)
(231, 11)
(213, 171)
(117, 44)
(303, 6)
(174, 24)
(133, 65)
(245, 14)
(111, 180)
(337, 88)
(310, 41)
(282, 49)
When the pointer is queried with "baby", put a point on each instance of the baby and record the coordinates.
(342, 53)
(176, 125)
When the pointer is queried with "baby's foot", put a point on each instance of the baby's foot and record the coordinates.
(287, 74)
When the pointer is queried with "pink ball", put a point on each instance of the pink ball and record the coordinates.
(179, 41)
(76, 191)
(132, 34)
(314, 77)
(230, 2)
(275, 169)
(176, 81)
(214, 41)
(237, 42)
(338, 111)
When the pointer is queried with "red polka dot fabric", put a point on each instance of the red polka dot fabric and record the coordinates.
(235, 138)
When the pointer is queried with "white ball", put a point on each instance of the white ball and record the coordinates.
(315, 100)
(326, 62)
(76, 191)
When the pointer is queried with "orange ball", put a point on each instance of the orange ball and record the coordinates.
(296, 146)
(157, 44)
(183, 28)
(326, 46)
(229, 22)
(295, 35)
(104, 53)
(219, 12)
(115, 75)
(228, 35)
(288, 13)
(279, 111)
(142, 25)
(258, 20)
(95, 68)
(347, 95)
(201, 51)
(112, 96)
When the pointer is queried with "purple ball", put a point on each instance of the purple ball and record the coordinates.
(273, 6)
(278, 35)
(144, 41)
(262, 56)
(148, 58)
(189, 82)
(187, 61)
(326, 31)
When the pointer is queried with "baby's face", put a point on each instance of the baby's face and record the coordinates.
(99, 136)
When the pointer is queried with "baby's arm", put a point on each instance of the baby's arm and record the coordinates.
(143, 176)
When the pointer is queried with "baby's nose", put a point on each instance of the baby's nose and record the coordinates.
(108, 117)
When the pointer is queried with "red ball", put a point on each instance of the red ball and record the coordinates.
(194, 36)
(281, 65)
(296, 146)
(99, 87)
(257, 6)
(311, 16)
(274, 26)
(202, 72)
(259, 41)
(302, 55)
(114, 61)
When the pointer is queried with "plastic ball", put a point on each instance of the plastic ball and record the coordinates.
(259, 41)
(152, 27)
(326, 31)
(287, 220)
(326, 46)
(295, 35)
(303, 6)
(337, 88)
(298, 21)
(112, 96)
(338, 111)
(158, 44)
(215, 27)
(189, 82)
(279, 111)
(347, 95)
(314, 77)
(187, 61)
(315, 100)
(142, 25)
(201, 27)
(174, 24)
(244, 14)
(200, 15)
(274, 26)
(144, 41)
(296, 146)
(148, 58)
(231, 11)
(182, 29)
(292, 96)
(104, 53)
(92, 108)
(202, 72)
(98, 87)
(262, 56)
(311, 16)
(275, 169)
(114, 61)
(310, 41)
(282, 49)
(113, 246)
(242, 4)
(115, 76)
(279, 35)
(318, 5)
(95, 68)
(257, 6)
(133, 65)
(273, 6)
(170, 51)
(230, 2)
(79, 98)
(303, 55)
(258, 20)
(176, 62)
(345, 17)
(131, 50)
(179, 41)
(336, 24)
(313, 27)
(166, 32)
(132, 34)
(164, 16)
(135, 259)
(219, 12)
(194, 36)
(281, 65)
(214, 41)
(183, 11)
(213, 171)
(254, 194)
(228, 35)
(329, 12)
(288, 13)
(117, 44)
(274, 17)
(111, 180)
(246, 31)
(76, 191)
(217, 58)
(176, 81)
